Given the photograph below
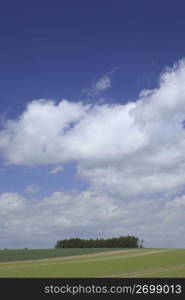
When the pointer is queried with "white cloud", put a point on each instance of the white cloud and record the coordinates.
(32, 189)
(10, 203)
(133, 148)
(56, 170)
(40, 132)
(73, 133)
(88, 214)
(59, 214)
(101, 85)
(178, 202)
(132, 155)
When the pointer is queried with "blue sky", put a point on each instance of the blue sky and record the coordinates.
(92, 156)
(53, 50)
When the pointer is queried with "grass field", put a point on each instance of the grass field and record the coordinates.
(120, 263)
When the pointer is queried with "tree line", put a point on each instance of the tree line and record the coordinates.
(116, 242)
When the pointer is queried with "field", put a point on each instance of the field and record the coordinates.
(22, 254)
(94, 263)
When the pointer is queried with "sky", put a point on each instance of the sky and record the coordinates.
(92, 119)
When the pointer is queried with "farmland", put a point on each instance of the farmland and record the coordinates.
(31, 254)
(107, 263)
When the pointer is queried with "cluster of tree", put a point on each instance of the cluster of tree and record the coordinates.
(121, 242)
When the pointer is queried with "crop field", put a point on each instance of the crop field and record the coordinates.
(30, 254)
(99, 263)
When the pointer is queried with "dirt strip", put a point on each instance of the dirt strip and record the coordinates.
(148, 271)
(133, 255)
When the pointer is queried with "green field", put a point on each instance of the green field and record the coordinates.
(120, 263)
(30, 254)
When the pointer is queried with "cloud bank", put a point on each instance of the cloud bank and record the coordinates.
(132, 156)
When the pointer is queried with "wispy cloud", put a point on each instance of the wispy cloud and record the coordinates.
(101, 85)
(32, 189)
(56, 170)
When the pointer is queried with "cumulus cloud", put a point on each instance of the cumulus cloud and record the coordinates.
(61, 212)
(40, 132)
(73, 133)
(87, 214)
(138, 146)
(10, 203)
(132, 155)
